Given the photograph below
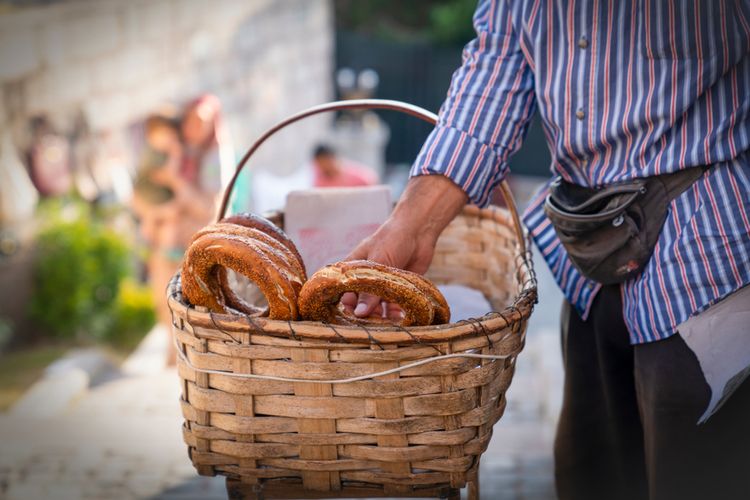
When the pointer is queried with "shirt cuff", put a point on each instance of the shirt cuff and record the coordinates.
(469, 163)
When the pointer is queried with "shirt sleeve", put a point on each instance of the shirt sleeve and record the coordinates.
(485, 116)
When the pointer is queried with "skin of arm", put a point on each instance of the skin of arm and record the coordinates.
(407, 239)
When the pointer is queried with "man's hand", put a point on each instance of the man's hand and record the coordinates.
(407, 239)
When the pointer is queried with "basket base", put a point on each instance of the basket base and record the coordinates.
(238, 490)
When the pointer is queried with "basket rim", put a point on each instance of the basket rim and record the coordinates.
(515, 313)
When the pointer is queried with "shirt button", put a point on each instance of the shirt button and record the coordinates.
(583, 42)
(580, 114)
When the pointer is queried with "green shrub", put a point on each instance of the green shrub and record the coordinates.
(133, 315)
(79, 264)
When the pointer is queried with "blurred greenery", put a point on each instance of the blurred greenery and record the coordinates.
(84, 294)
(133, 316)
(77, 272)
(451, 22)
(80, 269)
(446, 22)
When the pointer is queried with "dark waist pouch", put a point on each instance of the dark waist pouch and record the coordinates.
(610, 232)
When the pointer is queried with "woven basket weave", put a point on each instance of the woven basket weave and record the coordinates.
(308, 410)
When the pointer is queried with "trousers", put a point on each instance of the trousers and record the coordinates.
(628, 425)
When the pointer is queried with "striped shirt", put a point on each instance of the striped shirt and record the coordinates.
(625, 89)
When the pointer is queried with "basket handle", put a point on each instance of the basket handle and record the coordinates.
(402, 107)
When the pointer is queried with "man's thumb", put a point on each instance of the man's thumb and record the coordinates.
(366, 303)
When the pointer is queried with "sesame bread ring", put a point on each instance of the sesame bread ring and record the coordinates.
(442, 309)
(229, 297)
(250, 258)
(289, 255)
(262, 224)
(320, 295)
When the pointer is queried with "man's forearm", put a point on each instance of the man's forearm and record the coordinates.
(407, 239)
(429, 203)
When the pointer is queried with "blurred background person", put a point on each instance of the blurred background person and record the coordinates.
(209, 159)
(153, 201)
(175, 191)
(330, 170)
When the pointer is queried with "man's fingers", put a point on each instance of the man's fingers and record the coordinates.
(394, 312)
(349, 299)
(366, 304)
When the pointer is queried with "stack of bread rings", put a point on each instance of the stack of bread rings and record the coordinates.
(257, 249)
(253, 247)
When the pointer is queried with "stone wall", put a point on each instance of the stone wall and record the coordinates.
(108, 63)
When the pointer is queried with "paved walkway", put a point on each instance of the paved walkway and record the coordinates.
(121, 439)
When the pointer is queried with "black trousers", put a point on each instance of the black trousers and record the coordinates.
(628, 429)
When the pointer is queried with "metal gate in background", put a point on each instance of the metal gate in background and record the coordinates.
(419, 73)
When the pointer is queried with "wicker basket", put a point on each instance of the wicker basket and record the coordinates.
(309, 410)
